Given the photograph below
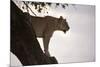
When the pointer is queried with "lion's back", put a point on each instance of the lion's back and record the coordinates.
(43, 25)
(39, 24)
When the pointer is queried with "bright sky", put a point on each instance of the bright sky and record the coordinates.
(78, 44)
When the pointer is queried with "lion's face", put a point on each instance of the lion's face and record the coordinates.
(63, 25)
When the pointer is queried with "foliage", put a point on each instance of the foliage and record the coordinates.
(39, 6)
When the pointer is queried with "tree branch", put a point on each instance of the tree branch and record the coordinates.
(29, 8)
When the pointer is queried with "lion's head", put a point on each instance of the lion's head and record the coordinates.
(62, 24)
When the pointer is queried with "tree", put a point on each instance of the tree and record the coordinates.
(24, 43)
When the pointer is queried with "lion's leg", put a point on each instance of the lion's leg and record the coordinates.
(46, 45)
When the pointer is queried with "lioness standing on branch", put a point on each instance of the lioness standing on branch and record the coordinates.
(45, 26)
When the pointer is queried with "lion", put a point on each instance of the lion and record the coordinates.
(45, 26)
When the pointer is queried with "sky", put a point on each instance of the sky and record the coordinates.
(78, 44)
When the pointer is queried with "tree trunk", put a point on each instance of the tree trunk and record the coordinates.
(23, 40)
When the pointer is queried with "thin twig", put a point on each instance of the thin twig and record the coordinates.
(29, 8)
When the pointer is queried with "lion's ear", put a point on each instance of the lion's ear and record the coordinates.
(61, 17)
(65, 19)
